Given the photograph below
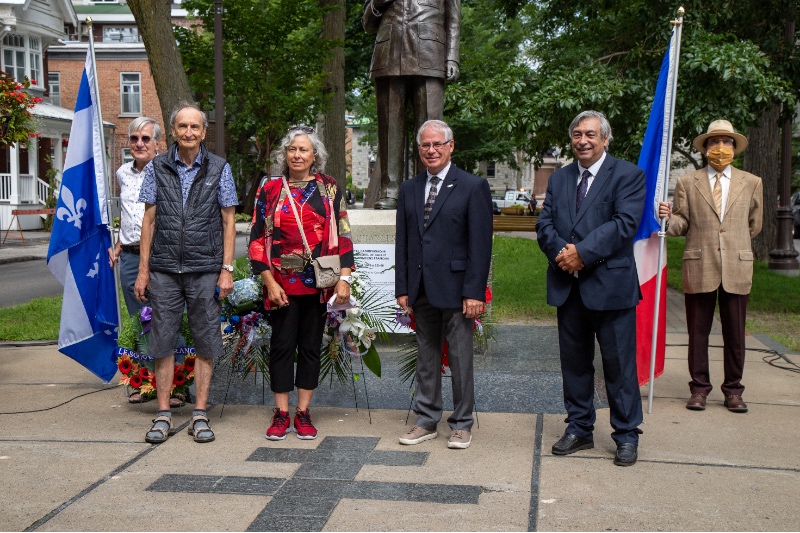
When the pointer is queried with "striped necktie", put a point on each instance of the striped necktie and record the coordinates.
(431, 197)
(583, 186)
(717, 192)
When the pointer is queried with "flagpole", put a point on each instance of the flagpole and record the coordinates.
(96, 89)
(663, 198)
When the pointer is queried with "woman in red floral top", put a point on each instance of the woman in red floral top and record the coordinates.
(297, 307)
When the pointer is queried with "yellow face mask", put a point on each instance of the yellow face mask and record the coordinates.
(720, 157)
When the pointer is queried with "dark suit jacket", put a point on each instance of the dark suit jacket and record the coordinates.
(602, 232)
(454, 252)
(414, 37)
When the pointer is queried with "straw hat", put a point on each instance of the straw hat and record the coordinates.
(721, 128)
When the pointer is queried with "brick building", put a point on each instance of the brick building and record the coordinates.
(126, 85)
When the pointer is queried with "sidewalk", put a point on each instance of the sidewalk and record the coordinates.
(84, 466)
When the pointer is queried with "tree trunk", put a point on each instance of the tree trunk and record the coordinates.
(762, 158)
(333, 122)
(155, 26)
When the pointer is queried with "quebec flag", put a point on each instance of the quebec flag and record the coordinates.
(78, 255)
(654, 160)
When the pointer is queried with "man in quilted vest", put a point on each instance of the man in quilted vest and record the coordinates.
(186, 260)
(719, 210)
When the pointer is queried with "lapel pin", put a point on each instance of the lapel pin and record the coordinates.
(449, 185)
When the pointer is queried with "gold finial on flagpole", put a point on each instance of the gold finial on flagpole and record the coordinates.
(89, 21)
(681, 12)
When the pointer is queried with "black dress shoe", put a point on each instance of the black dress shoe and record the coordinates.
(626, 454)
(570, 443)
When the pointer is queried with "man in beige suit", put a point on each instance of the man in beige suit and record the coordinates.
(719, 210)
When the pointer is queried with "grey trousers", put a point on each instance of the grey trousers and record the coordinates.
(433, 326)
(128, 270)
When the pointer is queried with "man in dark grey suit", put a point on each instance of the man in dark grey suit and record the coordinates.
(586, 228)
(442, 257)
(416, 48)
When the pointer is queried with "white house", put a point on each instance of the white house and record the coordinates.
(27, 29)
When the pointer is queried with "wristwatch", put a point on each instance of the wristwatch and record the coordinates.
(229, 268)
(346, 279)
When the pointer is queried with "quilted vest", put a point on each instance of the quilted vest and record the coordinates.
(187, 238)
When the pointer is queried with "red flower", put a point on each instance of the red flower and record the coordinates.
(125, 366)
(136, 381)
(145, 373)
(188, 364)
(488, 294)
(153, 380)
(179, 379)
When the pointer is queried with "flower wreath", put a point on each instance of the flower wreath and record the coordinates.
(138, 368)
(348, 335)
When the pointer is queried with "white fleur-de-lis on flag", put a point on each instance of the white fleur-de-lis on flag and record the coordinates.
(94, 271)
(73, 210)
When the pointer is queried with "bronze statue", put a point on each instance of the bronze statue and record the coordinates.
(416, 48)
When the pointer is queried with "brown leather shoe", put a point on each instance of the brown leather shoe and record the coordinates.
(697, 402)
(735, 404)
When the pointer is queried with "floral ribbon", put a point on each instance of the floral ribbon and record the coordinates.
(145, 318)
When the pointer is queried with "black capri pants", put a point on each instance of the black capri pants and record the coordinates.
(297, 326)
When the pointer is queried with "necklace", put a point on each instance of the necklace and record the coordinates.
(304, 193)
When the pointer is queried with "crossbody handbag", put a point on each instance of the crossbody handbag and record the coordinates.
(326, 267)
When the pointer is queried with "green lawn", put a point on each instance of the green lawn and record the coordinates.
(34, 321)
(774, 305)
(519, 285)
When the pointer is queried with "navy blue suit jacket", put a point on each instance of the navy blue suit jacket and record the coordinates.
(602, 231)
(454, 251)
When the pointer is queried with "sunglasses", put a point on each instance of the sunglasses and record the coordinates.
(135, 139)
(304, 129)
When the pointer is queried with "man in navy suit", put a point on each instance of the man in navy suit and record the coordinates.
(442, 257)
(586, 229)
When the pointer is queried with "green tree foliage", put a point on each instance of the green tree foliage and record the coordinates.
(606, 55)
(273, 74)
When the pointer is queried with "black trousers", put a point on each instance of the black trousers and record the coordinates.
(699, 318)
(615, 331)
(297, 328)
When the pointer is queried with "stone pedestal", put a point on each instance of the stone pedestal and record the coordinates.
(374, 237)
(369, 226)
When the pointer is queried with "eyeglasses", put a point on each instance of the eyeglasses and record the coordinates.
(135, 139)
(304, 129)
(727, 141)
(435, 145)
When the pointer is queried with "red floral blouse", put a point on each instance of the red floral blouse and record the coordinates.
(275, 240)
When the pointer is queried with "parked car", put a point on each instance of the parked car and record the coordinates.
(795, 203)
(512, 197)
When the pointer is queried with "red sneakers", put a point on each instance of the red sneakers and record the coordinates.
(280, 425)
(302, 425)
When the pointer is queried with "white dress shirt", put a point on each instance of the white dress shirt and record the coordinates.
(725, 181)
(131, 209)
(593, 170)
(441, 175)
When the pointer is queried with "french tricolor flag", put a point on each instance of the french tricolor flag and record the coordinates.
(654, 160)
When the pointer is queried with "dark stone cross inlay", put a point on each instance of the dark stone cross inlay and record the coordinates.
(326, 476)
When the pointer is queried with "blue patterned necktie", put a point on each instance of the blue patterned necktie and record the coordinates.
(583, 186)
(431, 197)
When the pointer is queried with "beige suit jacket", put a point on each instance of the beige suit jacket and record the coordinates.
(717, 252)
